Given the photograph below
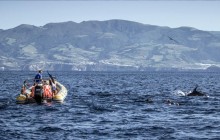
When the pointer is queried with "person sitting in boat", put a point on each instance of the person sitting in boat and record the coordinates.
(38, 77)
(24, 87)
(53, 86)
(47, 90)
(32, 90)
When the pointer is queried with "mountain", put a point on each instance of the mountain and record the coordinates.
(107, 45)
(213, 69)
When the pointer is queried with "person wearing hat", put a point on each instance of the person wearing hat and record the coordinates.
(38, 77)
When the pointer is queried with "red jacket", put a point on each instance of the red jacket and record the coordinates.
(47, 91)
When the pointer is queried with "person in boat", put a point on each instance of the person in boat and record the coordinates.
(38, 77)
(23, 89)
(47, 90)
(32, 90)
(53, 86)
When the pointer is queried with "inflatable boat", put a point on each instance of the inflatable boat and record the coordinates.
(36, 93)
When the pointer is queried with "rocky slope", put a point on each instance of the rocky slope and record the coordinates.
(107, 45)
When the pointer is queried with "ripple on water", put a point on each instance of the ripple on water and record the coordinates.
(109, 105)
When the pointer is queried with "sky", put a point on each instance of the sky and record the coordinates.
(203, 15)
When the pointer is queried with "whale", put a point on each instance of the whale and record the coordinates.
(196, 93)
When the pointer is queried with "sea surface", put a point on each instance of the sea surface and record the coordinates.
(115, 105)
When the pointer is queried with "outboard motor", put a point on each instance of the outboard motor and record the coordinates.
(38, 93)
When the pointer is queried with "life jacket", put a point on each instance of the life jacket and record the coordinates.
(32, 91)
(47, 91)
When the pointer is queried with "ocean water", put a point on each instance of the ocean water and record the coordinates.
(115, 105)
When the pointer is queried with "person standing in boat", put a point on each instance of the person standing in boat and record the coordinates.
(53, 86)
(52, 83)
(38, 77)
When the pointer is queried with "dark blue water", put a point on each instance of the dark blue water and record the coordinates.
(110, 105)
